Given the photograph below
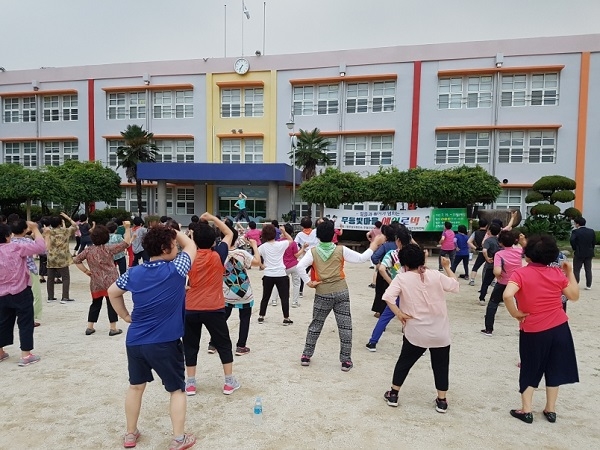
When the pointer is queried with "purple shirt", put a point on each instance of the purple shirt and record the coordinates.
(14, 274)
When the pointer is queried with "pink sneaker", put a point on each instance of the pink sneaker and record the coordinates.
(229, 389)
(28, 360)
(190, 388)
(188, 442)
(4, 356)
(130, 439)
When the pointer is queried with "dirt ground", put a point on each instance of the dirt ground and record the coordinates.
(74, 397)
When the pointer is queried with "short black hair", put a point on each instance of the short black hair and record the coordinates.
(541, 248)
(163, 219)
(55, 221)
(234, 238)
(137, 221)
(483, 223)
(378, 224)
(289, 229)
(252, 225)
(268, 232)
(12, 218)
(325, 231)
(508, 238)
(448, 225)
(82, 218)
(158, 239)
(462, 229)
(204, 235)
(275, 223)
(494, 229)
(195, 218)
(228, 222)
(306, 222)
(112, 226)
(403, 235)
(118, 221)
(100, 235)
(18, 226)
(579, 221)
(389, 232)
(5, 233)
(173, 224)
(412, 256)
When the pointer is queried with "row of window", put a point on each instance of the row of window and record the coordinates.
(52, 153)
(538, 89)
(55, 108)
(182, 204)
(513, 147)
(165, 105)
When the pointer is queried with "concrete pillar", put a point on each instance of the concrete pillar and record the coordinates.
(273, 201)
(161, 198)
(200, 199)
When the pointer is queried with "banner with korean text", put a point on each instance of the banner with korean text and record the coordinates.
(421, 219)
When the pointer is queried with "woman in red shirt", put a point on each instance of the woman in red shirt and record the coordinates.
(545, 342)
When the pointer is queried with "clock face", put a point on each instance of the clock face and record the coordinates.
(241, 66)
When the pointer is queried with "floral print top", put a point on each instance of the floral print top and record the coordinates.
(100, 261)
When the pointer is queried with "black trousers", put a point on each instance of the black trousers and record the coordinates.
(242, 214)
(95, 308)
(121, 263)
(216, 324)
(43, 265)
(137, 256)
(479, 261)
(440, 363)
(488, 277)
(283, 288)
(492, 307)
(380, 286)
(245, 314)
(19, 308)
(457, 261)
(587, 267)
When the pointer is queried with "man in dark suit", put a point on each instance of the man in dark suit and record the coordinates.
(583, 240)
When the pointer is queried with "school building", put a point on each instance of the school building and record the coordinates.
(521, 108)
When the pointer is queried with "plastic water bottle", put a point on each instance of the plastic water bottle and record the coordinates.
(258, 411)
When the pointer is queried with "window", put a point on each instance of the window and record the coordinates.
(170, 209)
(332, 151)
(185, 201)
(479, 92)
(380, 95)
(70, 110)
(112, 158)
(531, 147)
(185, 151)
(24, 153)
(304, 100)
(30, 158)
(368, 150)
(128, 199)
(253, 151)
(255, 207)
(12, 153)
(539, 89)
(357, 98)
(19, 109)
(384, 96)
(463, 148)
(328, 99)
(59, 107)
(542, 147)
(510, 199)
(56, 153)
(12, 111)
(253, 102)
(126, 105)
(236, 151)
(231, 102)
(173, 104)
(450, 93)
(165, 151)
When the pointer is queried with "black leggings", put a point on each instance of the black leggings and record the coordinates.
(283, 288)
(216, 324)
(95, 308)
(488, 277)
(457, 261)
(440, 363)
(478, 262)
(380, 286)
(245, 314)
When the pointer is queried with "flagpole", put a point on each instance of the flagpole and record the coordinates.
(264, 25)
(243, 7)
(225, 35)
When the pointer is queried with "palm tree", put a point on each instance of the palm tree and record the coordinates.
(139, 147)
(310, 153)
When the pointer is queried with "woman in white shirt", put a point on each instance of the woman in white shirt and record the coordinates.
(272, 252)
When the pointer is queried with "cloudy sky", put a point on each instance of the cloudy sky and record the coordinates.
(55, 33)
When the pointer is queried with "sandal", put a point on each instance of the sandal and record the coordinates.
(4, 356)
(130, 439)
(188, 441)
(115, 332)
(551, 416)
(519, 414)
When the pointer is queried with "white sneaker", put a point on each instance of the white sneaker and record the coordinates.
(274, 303)
(295, 305)
(588, 288)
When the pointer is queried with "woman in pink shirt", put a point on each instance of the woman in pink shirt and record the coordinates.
(447, 245)
(290, 260)
(545, 342)
(425, 318)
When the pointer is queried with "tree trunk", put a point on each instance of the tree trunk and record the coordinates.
(309, 206)
(322, 210)
(138, 190)
(28, 209)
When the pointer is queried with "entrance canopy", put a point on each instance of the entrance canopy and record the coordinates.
(219, 173)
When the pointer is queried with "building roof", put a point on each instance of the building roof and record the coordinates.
(214, 173)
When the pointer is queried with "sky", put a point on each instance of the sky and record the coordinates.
(58, 33)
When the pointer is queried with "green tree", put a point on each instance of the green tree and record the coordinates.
(310, 153)
(546, 216)
(334, 187)
(85, 182)
(139, 147)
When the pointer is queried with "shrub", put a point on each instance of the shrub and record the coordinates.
(102, 216)
(597, 237)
